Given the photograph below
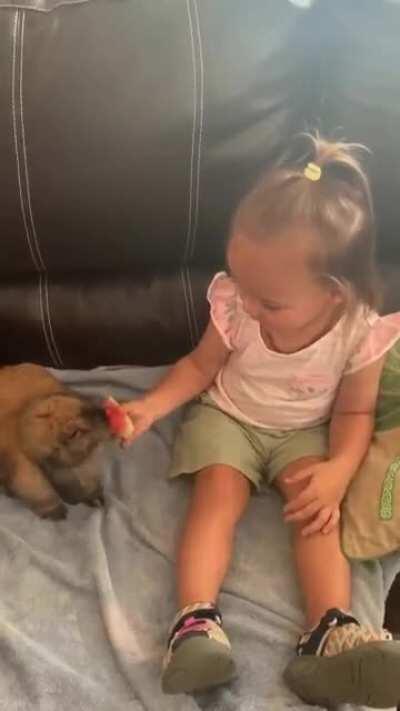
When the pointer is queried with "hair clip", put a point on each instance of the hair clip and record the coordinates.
(312, 171)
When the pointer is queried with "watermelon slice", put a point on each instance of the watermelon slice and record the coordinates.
(119, 422)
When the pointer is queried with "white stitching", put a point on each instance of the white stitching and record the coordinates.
(18, 162)
(200, 137)
(188, 314)
(23, 142)
(51, 333)
(194, 126)
(25, 192)
(16, 147)
(194, 314)
(55, 353)
(41, 307)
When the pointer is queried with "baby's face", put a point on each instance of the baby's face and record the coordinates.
(277, 284)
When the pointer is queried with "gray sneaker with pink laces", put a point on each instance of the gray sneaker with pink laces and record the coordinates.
(199, 654)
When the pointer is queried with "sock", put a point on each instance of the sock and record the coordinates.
(313, 642)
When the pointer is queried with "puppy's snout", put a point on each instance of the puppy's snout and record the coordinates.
(96, 418)
(75, 430)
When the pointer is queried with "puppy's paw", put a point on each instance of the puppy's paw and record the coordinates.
(57, 513)
(96, 501)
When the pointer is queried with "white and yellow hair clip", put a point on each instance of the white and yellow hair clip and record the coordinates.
(312, 171)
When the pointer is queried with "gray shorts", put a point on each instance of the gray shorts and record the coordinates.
(209, 436)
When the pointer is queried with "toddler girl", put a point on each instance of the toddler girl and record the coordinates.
(284, 383)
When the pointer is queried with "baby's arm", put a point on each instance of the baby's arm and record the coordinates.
(349, 437)
(189, 377)
(353, 419)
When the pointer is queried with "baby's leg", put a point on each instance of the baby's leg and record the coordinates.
(199, 653)
(220, 497)
(340, 660)
(323, 570)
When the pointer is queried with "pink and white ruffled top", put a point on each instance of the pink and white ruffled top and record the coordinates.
(289, 390)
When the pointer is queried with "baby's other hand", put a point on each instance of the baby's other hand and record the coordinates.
(323, 522)
(324, 488)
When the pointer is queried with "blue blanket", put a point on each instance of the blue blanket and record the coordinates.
(86, 603)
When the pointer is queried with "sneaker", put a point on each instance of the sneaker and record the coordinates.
(341, 661)
(199, 654)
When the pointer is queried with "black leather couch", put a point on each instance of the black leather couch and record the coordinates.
(128, 130)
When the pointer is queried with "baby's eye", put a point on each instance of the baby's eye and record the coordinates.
(271, 307)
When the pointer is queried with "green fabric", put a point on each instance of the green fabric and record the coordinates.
(209, 436)
(371, 508)
(387, 414)
(387, 500)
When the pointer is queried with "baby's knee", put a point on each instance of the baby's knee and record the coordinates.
(223, 490)
(291, 490)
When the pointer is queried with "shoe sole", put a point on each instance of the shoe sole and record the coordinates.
(197, 665)
(368, 675)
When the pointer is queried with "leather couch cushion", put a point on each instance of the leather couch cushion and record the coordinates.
(129, 132)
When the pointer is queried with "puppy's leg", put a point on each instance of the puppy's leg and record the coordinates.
(26, 481)
(90, 474)
(66, 483)
(79, 484)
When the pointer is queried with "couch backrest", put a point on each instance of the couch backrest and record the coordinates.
(129, 131)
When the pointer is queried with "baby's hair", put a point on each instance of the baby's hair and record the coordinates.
(334, 206)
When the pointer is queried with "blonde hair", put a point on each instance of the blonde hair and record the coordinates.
(336, 207)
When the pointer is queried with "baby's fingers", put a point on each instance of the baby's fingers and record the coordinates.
(298, 476)
(119, 422)
(137, 429)
(304, 513)
(318, 523)
(302, 499)
(333, 522)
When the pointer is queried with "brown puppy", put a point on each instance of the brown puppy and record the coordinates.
(49, 441)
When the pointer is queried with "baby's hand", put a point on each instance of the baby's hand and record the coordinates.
(324, 521)
(140, 417)
(320, 498)
(119, 422)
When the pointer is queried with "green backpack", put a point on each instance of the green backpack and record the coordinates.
(371, 508)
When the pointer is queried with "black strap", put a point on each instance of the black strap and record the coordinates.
(202, 613)
(314, 642)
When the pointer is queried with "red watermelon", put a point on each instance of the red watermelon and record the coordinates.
(119, 422)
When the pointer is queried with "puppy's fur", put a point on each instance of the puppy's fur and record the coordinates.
(49, 441)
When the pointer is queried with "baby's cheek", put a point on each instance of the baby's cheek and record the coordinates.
(252, 309)
(276, 319)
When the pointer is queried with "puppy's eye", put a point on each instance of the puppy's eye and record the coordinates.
(74, 434)
(44, 415)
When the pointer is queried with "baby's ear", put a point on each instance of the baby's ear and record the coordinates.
(7, 467)
(340, 291)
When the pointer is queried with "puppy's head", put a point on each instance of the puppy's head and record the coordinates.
(61, 429)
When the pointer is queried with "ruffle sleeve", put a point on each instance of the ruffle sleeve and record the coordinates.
(224, 303)
(379, 336)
